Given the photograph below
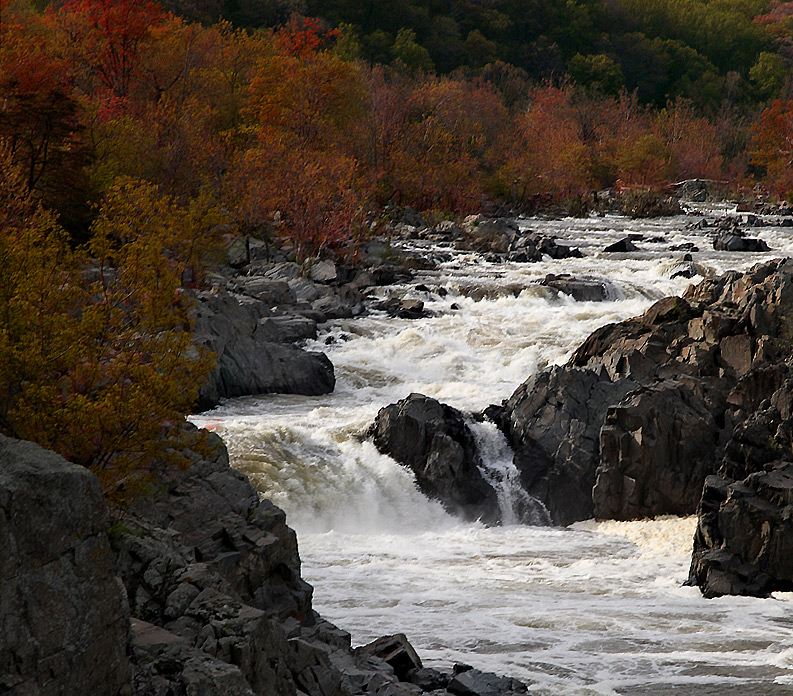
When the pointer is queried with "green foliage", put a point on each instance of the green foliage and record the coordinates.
(769, 74)
(599, 73)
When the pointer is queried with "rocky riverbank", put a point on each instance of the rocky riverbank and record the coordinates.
(195, 590)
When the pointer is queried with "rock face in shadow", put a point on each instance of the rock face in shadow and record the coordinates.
(646, 409)
(744, 539)
(432, 440)
(63, 623)
(254, 350)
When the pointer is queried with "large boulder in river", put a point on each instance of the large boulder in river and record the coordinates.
(433, 440)
(63, 623)
(744, 539)
(645, 408)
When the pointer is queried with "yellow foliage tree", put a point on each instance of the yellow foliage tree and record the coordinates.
(96, 358)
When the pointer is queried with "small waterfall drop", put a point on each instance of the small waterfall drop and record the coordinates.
(499, 470)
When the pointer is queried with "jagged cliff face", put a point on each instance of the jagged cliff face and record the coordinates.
(64, 622)
(200, 595)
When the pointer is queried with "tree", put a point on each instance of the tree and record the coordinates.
(104, 39)
(40, 121)
(96, 358)
(772, 145)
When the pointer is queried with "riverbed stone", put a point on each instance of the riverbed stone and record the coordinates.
(433, 440)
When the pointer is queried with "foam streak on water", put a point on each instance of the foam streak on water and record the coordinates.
(595, 609)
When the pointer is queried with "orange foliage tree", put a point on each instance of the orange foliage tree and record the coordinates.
(772, 146)
(40, 122)
(297, 175)
(104, 40)
(549, 156)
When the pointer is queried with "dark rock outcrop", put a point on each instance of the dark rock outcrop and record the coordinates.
(433, 440)
(622, 246)
(645, 409)
(63, 622)
(504, 238)
(253, 348)
(744, 539)
(580, 289)
(209, 573)
(734, 240)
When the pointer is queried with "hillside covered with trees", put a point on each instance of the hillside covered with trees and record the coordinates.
(136, 137)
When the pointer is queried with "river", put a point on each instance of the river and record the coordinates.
(596, 608)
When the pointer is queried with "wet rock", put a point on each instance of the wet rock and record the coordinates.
(656, 448)
(553, 422)
(580, 289)
(248, 362)
(397, 652)
(744, 529)
(285, 329)
(734, 240)
(403, 308)
(644, 409)
(622, 246)
(64, 621)
(433, 440)
(428, 679)
(472, 682)
(685, 268)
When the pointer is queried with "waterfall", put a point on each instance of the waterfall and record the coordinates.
(499, 470)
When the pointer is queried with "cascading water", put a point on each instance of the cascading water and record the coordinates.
(498, 469)
(598, 608)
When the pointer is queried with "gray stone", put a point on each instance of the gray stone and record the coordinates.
(63, 624)
(433, 440)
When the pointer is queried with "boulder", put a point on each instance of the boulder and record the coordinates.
(472, 682)
(656, 447)
(402, 308)
(744, 539)
(646, 409)
(64, 624)
(622, 246)
(206, 528)
(251, 358)
(397, 652)
(553, 422)
(734, 240)
(432, 440)
(580, 289)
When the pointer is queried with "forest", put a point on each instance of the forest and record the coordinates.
(136, 138)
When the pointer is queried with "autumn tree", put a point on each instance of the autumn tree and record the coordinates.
(104, 40)
(40, 121)
(772, 146)
(96, 355)
(548, 156)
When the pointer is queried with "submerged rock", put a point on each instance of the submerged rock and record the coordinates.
(580, 289)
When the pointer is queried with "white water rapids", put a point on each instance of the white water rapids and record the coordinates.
(598, 608)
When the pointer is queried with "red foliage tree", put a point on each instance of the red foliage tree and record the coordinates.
(772, 146)
(104, 39)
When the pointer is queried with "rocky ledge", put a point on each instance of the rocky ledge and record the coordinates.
(196, 590)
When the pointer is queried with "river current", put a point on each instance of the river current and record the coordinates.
(596, 608)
